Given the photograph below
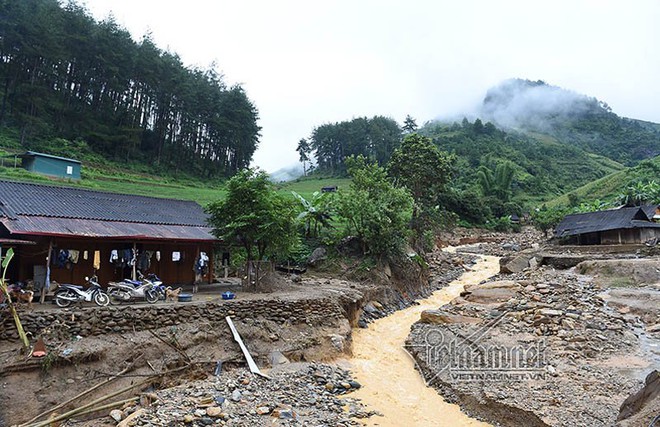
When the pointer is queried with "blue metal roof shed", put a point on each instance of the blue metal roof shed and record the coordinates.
(47, 164)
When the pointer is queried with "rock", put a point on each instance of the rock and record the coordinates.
(214, 411)
(188, 418)
(338, 342)
(511, 247)
(236, 395)
(277, 358)
(129, 420)
(649, 393)
(550, 312)
(370, 308)
(284, 413)
(514, 265)
(490, 295)
(319, 254)
(441, 317)
(263, 410)
(354, 384)
(653, 328)
(116, 415)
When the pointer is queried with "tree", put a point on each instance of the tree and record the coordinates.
(374, 210)
(254, 216)
(316, 212)
(424, 170)
(304, 151)
(639, 193)
(547, 218)
(409, 125)
(496, 184)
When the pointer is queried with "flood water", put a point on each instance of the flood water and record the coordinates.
(391, 385)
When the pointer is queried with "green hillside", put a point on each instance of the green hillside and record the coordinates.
(543, 166)
(607, 188)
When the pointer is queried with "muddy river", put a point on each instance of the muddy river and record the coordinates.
(391, 385)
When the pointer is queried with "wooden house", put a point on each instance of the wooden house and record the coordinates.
(633, 225)
(65, 234)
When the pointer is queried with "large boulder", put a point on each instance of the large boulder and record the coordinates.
(319, 254)
(490, 295)
(643, 405)
(514, 264)
(442, 317)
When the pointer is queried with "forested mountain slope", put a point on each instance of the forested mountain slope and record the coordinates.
(64, 75)
(543, 167)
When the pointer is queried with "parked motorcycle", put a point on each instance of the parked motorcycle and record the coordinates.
(128, 290)
(67, 294)
(159, 287)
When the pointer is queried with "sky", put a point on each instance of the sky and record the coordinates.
(307, 63)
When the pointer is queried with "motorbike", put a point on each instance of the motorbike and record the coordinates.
(67, 294)
(159, 287)
(128, 290)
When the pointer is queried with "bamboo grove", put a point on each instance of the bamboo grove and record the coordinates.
(62, 74)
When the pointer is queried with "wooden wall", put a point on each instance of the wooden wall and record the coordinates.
(172, 273)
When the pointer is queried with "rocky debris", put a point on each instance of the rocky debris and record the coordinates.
(492, 243)
(303, 395)
(584, 373)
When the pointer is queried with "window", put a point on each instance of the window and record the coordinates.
(69, 170)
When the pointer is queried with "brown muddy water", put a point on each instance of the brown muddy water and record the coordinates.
(390, 383)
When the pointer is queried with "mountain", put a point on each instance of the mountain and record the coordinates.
(570, 118)
(556, 140)
(543, 166)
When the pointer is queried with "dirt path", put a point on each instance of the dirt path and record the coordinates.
(391, 385)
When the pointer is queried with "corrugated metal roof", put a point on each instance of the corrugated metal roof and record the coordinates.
(612, 219)
(73, 227)
(19, 199)
(50, 156)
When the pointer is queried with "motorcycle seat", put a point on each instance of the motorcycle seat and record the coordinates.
(68, 285)
(133, 282)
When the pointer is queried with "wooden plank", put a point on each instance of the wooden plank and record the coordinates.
(253, 366)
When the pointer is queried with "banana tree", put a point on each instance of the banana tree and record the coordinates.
(316, 212)
(3, 286)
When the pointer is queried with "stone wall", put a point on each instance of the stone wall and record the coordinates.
(94, 320)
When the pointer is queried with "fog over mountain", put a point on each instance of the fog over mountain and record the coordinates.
(534, 105)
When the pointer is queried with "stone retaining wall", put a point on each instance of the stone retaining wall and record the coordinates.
(100, 320)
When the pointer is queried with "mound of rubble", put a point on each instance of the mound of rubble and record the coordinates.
(311, 394)
(541, 348)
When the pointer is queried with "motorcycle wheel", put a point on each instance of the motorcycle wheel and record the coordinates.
(101, 299)
(61, 302)
(117, 296)
(151, 296)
